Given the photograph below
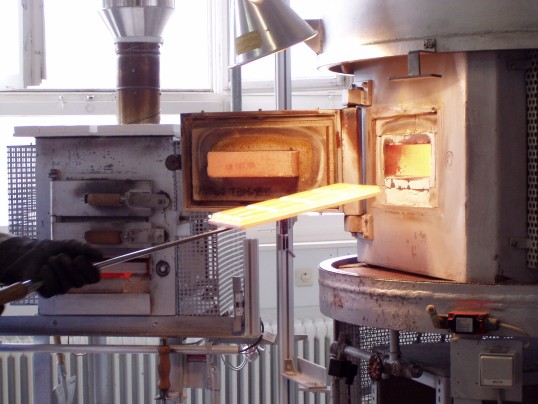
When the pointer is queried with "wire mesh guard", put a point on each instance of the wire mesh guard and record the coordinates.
(22, 190)
(532, 147)
(206, 270)
(370, 339)
(21, 161)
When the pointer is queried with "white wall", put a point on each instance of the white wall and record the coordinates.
(317, 237)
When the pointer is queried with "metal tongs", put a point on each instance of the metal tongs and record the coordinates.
(19, 290)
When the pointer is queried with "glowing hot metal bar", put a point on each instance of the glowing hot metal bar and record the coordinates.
(292, 205)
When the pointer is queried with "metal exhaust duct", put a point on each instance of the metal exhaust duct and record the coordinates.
(137, 26)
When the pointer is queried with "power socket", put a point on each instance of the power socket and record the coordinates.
(304, 277)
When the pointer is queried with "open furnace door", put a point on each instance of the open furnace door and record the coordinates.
(232, 159)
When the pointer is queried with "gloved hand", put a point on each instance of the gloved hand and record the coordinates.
(60, 265)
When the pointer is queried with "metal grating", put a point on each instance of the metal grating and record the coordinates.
(21, 161)
(532, 136)
(206, 268)
(22, 190)
(368, 339)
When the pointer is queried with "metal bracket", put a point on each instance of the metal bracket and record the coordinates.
(239, 305)
(316, 42)
(413, 67)
(309, 376)
(359, 95)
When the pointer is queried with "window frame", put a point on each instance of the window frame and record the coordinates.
(84, 102)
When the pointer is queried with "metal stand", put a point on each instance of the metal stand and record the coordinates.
(285, 315)
(285, 306)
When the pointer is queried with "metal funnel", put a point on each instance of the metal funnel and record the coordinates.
(137, 20)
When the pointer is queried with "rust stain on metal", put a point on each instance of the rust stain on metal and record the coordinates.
(337, 301)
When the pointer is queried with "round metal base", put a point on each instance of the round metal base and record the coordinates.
(357, 294)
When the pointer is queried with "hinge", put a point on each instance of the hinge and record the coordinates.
(362, 225)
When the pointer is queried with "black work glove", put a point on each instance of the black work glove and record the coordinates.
(60, 265)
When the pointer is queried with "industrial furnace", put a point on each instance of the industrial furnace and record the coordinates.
(449, 136)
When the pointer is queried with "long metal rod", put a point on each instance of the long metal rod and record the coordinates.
(133, 349)
(285, 303)
(252, 287)
(149, 250)
(283, 80)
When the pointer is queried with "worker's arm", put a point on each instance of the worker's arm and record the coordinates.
(56, 265)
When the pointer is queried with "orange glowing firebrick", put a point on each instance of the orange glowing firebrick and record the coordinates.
(407, 160)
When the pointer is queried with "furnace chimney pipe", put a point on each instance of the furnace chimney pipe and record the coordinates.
(137, 26)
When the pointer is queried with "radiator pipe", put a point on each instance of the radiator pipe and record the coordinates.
(101, 376)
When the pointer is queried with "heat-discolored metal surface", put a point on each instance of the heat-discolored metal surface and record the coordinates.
(380, 298)
(315, 136)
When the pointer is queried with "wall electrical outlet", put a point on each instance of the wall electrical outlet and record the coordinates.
(304, 277)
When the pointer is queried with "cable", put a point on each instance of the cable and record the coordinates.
(232, 367)
(197, 342)
(519, 330)
(244, 352)
(255, 344)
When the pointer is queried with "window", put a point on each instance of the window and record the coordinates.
(81, 69)
(9, 27)
(81, 51)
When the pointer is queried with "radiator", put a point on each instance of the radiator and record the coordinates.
(133, 377)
